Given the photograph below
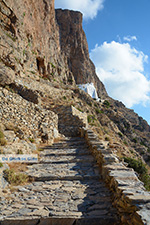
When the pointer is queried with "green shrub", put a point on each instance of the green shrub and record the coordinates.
(24, 52)
(142, 143)
(1, 134)
(148, 149)
(31, 140)
(15, 178)
(80, 109)
(19, 152)
(52, 65)
(106, 103)
(147, 158)
(134, 140)
(146, 180)
(141, 169)
(70, 80)
(125, 143)
(120, 134)
(91, 118)
(98, 111)
(30, 71)
(137, 165)
(12, 38)
(89, 103)
(29, 44)
(1, 164)
(131, 151)
(40, 149)
(33, 52)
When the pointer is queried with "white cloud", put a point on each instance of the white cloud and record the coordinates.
(130, 38)
(121, 68)
(89, 8)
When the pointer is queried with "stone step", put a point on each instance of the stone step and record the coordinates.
(63, 171)
(88, 199)
(68, 151)
(91, 187)
(48, 177)
(67, 159)
(72, 139)
(67, 189)
(64, 167)
(68, 166)
(67, 145)
(71, 220)
(70, 142)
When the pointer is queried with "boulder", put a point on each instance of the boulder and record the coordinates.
(7, 75)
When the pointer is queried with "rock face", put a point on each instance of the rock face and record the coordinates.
(74, 45)
(30, 41)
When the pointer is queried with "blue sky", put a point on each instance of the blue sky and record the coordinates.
(118, 36)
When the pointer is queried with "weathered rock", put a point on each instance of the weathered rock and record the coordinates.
(74, 45)
(30, 43)
(25, 118)
(7, 75)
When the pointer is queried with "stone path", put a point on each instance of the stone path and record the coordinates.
(67, 184)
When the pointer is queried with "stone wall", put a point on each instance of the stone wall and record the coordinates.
(129, 195)
(70, 120)
(29, 119)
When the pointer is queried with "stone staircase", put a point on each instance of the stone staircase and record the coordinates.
(67, 189)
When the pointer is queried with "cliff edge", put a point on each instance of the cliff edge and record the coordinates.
(74, 45)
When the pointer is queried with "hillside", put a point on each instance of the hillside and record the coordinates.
(43, 57)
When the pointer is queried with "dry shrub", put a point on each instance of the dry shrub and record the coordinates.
(15, 178)
(2, 139)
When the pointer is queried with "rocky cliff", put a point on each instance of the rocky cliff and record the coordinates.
(74, 45)
(30, 41)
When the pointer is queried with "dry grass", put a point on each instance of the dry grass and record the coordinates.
(15, 175)
(2, 139)
(56, 140)
(18, 167)
(15, 178)
(3, 142)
